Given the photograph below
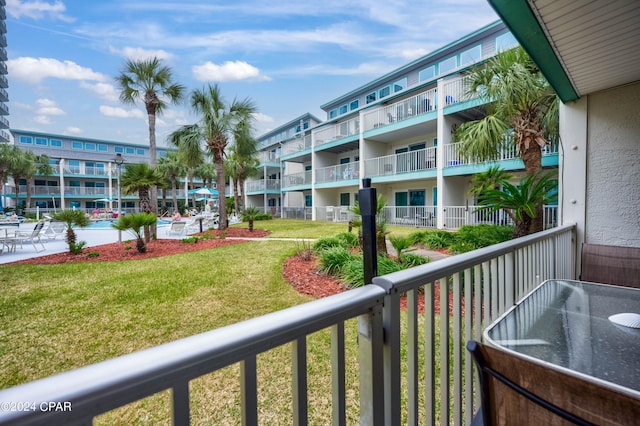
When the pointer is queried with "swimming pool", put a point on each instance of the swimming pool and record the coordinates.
(106, 223)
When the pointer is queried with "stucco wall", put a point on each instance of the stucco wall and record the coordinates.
(613, 167)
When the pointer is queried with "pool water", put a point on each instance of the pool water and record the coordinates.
(106, 223)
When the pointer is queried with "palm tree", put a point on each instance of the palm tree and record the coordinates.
(140, 178)
(133, 223)
(381, 224)
(188, 141)
(242, 162)
(492, 178)
(72, 218)
(522, 202)
(523, 111)
(38, 165)
(216, 128)
(149, 81)
(8, 156)
(170, 167)
(19, 170)
(249, 214)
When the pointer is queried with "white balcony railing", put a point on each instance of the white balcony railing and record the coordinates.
(406, 162)
(262, 185)
(401, 110)
(452, 157)
(338, 173)
(412, 368)
(296, 179)
(296, 145)
(341, 130)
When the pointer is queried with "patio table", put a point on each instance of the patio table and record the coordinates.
(571, 325)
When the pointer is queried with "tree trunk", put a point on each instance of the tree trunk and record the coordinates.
(29, 181)
(532, 159)
(174, 193)
(235, 196)
(152, 162)
(220, 182)
(145, 206)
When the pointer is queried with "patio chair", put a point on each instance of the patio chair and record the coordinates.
(614, 265)
(7, 240)
(177, 228)
(516, 390)
(55, 228)
(33, 237)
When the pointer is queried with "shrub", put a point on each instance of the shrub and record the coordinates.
(324, 243)
(437, 239)
(76, 248)
(400, 243)
(474, 237)
(348, 239)
(304, 250)
(352, 273)
(409, 260)
(189, 240)
(333, 259)
(264, 216)
(93, 254)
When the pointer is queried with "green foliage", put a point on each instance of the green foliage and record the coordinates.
(352, 273)
(76, 248)
(304, 250)
(437, 239)
(325, 243)
(93, 254)
(348, 239)
(264, 216)
(409, 260)
(72, 218)
(134, 223)
(128, 247)
(400, 243)
(474, 237)
(189, 240)
(249, 214)
(332, 259)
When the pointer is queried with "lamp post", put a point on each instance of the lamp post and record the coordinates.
(119, 160)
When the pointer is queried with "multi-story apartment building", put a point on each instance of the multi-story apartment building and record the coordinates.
(84, 171)
(396, 130)
(4, 96)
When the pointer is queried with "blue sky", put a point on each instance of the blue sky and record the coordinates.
(288, 56)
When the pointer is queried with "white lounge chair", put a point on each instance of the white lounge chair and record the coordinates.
(55, 229)
(7, 240)
(176, 228)
(32, 237)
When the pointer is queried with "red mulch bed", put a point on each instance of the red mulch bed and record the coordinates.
(157, 248)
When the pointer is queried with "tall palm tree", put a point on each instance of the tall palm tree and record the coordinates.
(170, 167)
(207, 173)
(492, 178)
(19, 170)
(8, 156)
(218, 122)
(38, 165)
(140, 178)
(522, 202)
(523, 111)
(189, 143)
(152, 82)
(72, 218)
(239, 169)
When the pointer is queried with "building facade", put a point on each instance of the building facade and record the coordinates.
(396, 130)
(4, 83)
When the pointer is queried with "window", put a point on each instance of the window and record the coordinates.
(385, 91)
(139, 151)
(471, 55)
(333, 113)
(447, 65)
(77, 145)
(56, 143)
(118, 149)
(345, 197)
(505, 41)
(399, 85)
(371, 97)
(354, 105)
(427, 73)
(90, 146)
(307, 200)
(26, 140)
(129, 150)
(305, 125)
(74, 167)
(343, 109)
(103, 147)
(42, 141)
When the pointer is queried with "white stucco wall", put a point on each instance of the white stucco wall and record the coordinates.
(613, 167)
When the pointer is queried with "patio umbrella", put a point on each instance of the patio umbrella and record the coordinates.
(106, 200)
(205, 190)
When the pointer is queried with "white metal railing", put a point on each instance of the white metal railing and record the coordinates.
(262, 185)
(335, 214)
(400, 110)
(304, 213)
(338, 173)
(414, 216)
(269, 157)
(458, 90)
(296, 145)
(341, 130)
(406, 162)
(438, 383)
(95, 171)
(456, 217)
(452, 157)
(296, 179)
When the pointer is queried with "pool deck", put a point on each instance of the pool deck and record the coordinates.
(93, 237)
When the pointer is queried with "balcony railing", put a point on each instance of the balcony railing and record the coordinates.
(419, 354)
(296, 179)
(340, 172)
(336, 131)
(401, 110)
(296, 145)
(452, 157)
(406, 162)
(262, 185)
(296, 213)
(269, 157)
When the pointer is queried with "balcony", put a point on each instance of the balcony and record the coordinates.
(413, 366)
(262, 185)
(339, 173)
(453, 158)
(297, 180)
(405, 162)
(296, 145)
(266, 157)
(399, 111)
(337, 131)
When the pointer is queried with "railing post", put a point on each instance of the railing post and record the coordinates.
(368, 203)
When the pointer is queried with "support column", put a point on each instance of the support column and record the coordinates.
(61, 174)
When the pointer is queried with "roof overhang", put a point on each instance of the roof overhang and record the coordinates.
(581, 46)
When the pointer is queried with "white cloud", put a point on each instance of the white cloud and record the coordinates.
(34, 70)
(121, 112)
(138, 53)
(73, 130)
(262, 118)
(48, 107)
(37, 10)
(41, 119)
(229, 71)
(106, 91)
